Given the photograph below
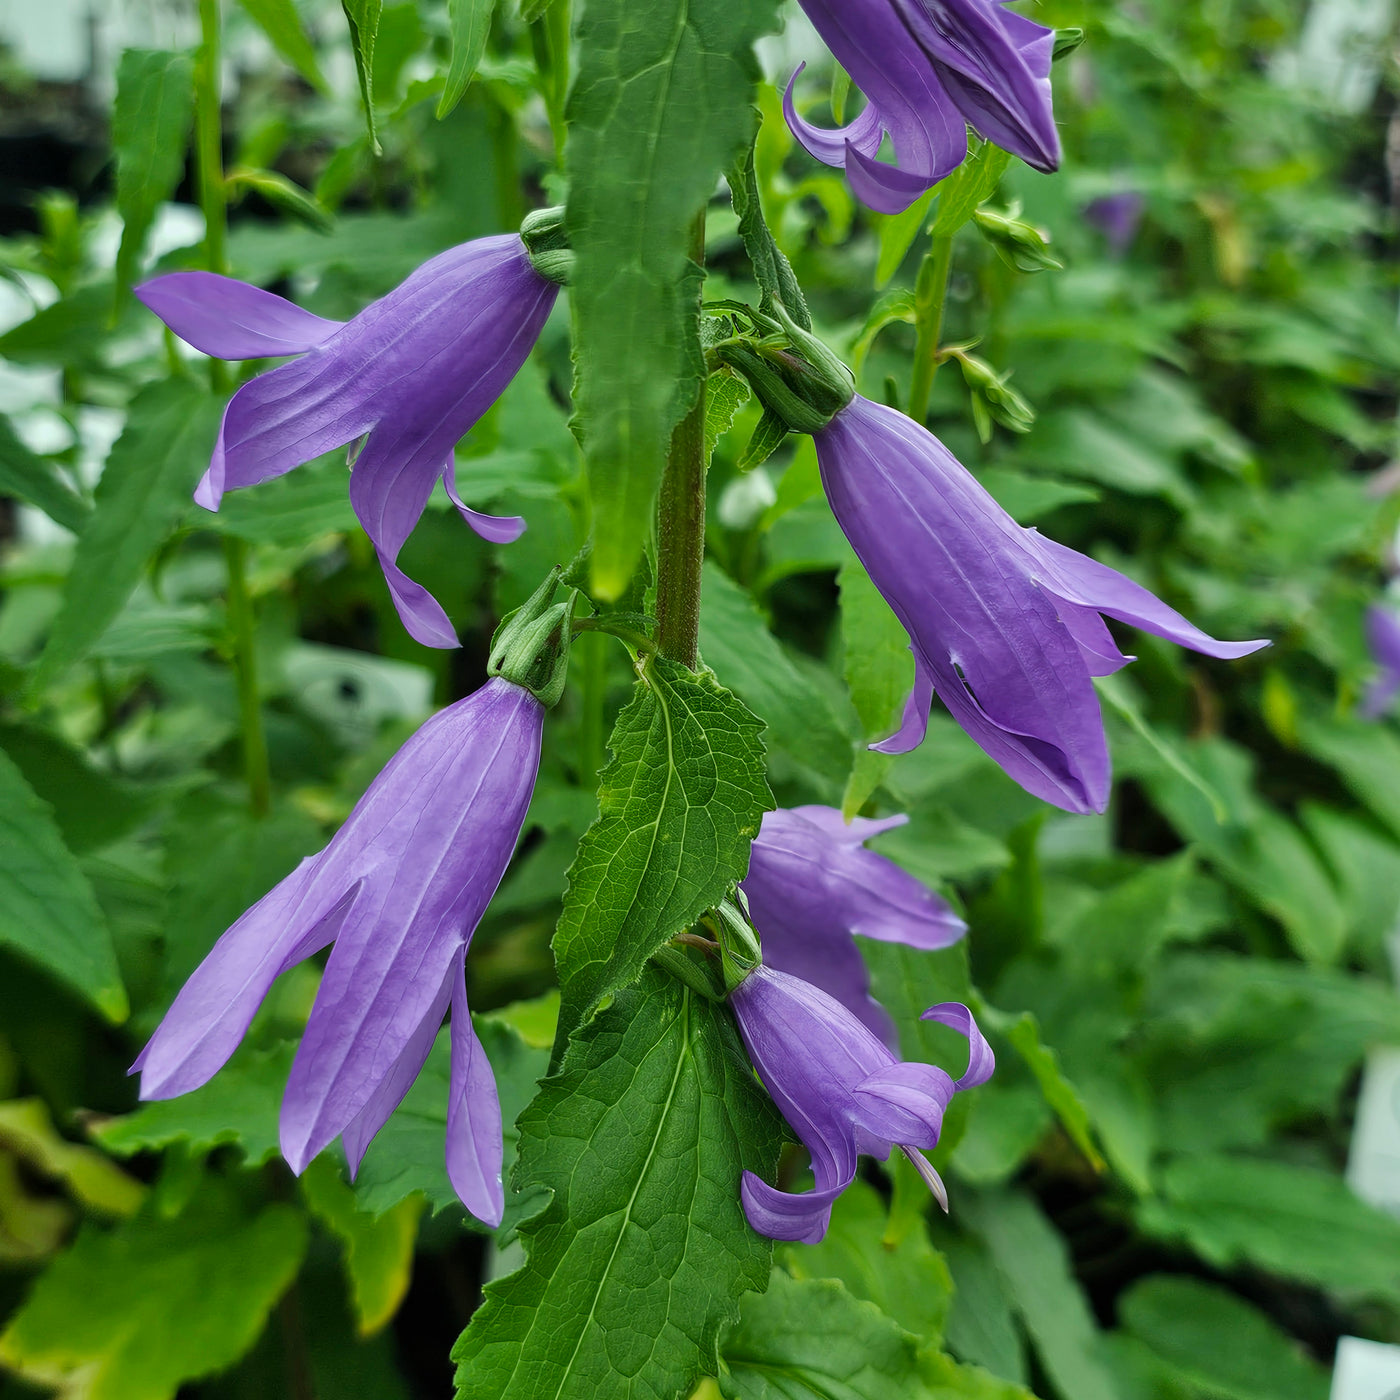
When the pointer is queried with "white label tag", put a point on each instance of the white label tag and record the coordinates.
(1374, 1166)
(1366, 1371)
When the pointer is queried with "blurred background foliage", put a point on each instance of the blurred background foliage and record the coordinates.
(1148, 1199)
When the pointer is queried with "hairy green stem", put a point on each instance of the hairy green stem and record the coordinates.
(930, 295)
(213, 200)
(680, 529)
(549, 37)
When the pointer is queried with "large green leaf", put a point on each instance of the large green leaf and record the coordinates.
(134, 1313)
(643, 1251)
(1035, 1266)
(1217, 1341)
(679, 803)
(659, 107)
(28, 477)
(48, 912)
(144, 491)
(1296, 1221)
(812, 1340)
(151, 120)
(747, 657)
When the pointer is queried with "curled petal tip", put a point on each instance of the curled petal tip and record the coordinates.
(929, 1173)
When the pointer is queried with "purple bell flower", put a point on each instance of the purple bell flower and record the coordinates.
(812, 885)
(929, 69)
(1383, 637)
(399, 891)
(1004, 624)
(842, 1092)
(414, 370)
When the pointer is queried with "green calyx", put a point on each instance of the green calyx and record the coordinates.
(531, 646)
(738, 940)
(546, 243)
(796, 378)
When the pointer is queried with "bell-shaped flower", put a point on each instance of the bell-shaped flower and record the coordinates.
(1004, 624)
(414, 370)
(398, 891)
(812, 885)
(842, 1092)
(929, 69)
(1383, 638)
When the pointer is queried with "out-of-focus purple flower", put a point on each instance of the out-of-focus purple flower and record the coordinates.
(929, 69)
(1383, 637)
(812, 885)
(843, 1093)
(414, 370)
(1117, 217)
(1004, 624)
(399, 891)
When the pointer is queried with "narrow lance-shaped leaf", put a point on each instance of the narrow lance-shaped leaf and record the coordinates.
(278, 19)
(363, 19)
(643, 1251)
(27, 476)
(48, 912)
(679, 804)
(658, 109)
(470, 22)
(151, 120)
(144, 491)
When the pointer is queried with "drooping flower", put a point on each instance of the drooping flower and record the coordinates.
(1004, 624)
(812, 885)
(929, 69)
(1383, 637)
(414, 370)
(843, 1093)
(399, 891)
(1117, 217)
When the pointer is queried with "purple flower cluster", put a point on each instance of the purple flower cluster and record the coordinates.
(929, 69)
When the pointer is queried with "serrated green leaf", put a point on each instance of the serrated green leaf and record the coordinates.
(643, 1250)
(29, 478)
(378, 1248)
(238, 1107)
(406, 1157)
(134, 1313)
(48, 912)
(908, 1281)
(659, 107)
(1295, 1221)
(144, 491)
(151, 120)
(470, 23)
(1034, 1264)
(745, 655)
(771, 269)
(679, 803)
(1215, 1340)
(363, 18)
(812, 1340)
(278, 19)
(725, 394)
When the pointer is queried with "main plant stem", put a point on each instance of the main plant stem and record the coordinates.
(680, 529)
(209, 162)
(930, 295)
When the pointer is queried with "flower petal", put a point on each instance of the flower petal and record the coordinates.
(475, 1147)
(904, 1103)
(1078, 579)
(980, 1060)
(914, 723)
(232, 320)
(216, 1005)
(789, 1215)
(499, 529)
(359, 1132)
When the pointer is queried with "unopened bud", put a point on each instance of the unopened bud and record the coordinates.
(1017, 243)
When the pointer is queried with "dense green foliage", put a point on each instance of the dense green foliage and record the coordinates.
(1147, 1199)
